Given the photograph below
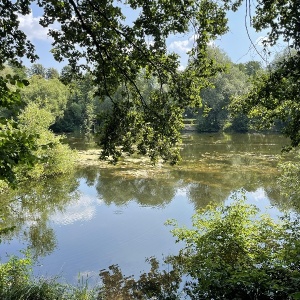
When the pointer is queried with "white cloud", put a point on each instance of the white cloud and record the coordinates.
(181, 46)
(34, 31)
(181, 68)
(83, 209)
(150, 42)
(259, 195)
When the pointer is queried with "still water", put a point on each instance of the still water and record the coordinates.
(99, 216)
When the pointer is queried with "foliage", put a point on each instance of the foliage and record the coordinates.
(26, 211)
(250, 68)
(24, 134)
(49, 94)
(282, 18)
(156, 284)
(24, 139)
(274, 97)
(289, 182)
(232, 252)
(16, 147)
(215, 116)
(94, 37)
(81, 107)
(16, 283)
(14, 44)
(37, 70)
(14, 273)
(10, 86)
(54, 157)
(275, 94)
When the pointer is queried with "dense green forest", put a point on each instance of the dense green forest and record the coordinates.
(53, 102)
(132, 94)
(76, 107)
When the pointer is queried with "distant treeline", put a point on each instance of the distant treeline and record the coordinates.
(76, 107)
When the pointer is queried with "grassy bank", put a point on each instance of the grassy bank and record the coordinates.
(17, 283)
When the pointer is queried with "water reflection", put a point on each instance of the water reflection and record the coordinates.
(158, 283)
(98, 217)
(29, 209)
(145, 191)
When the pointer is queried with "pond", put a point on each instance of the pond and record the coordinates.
(77, 225)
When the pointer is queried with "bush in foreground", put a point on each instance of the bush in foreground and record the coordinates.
(17, 283)
(234, 252)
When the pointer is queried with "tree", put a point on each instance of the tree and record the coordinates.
(115, 53)
(80, 112)
(233, 252)
(53, 157)
(52, 73)
(275, 93)
(26, 144)
(49, 94)
(37, 70)
(250, 68)
(40, 70)
(214, 116)
(16, 147)
(275, 97)
(27, 147)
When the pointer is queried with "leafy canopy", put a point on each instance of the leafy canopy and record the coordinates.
(93, 36)
(275, 93)
(16, 146)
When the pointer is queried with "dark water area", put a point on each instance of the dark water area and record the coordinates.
(79, 224)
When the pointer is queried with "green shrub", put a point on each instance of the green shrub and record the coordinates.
(17, 283)
(53, 157)
(233, 252)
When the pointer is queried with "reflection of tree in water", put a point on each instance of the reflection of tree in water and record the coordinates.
(213, 166)
(216, 185)
(42, 239)
(203, 194)
(146, 191)
(220, 163)
(156, 284)
(207, 177)
(285, 199)
(257, 144)
(231, 252)
(28, 209)
(204, 183)
(89, 173)
(289, 182)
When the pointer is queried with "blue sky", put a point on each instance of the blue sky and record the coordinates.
(235, 43)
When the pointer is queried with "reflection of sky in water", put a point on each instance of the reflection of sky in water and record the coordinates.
(92, 235)
(102, 235)
(123, 235)
(81, 210)
(120, 221)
